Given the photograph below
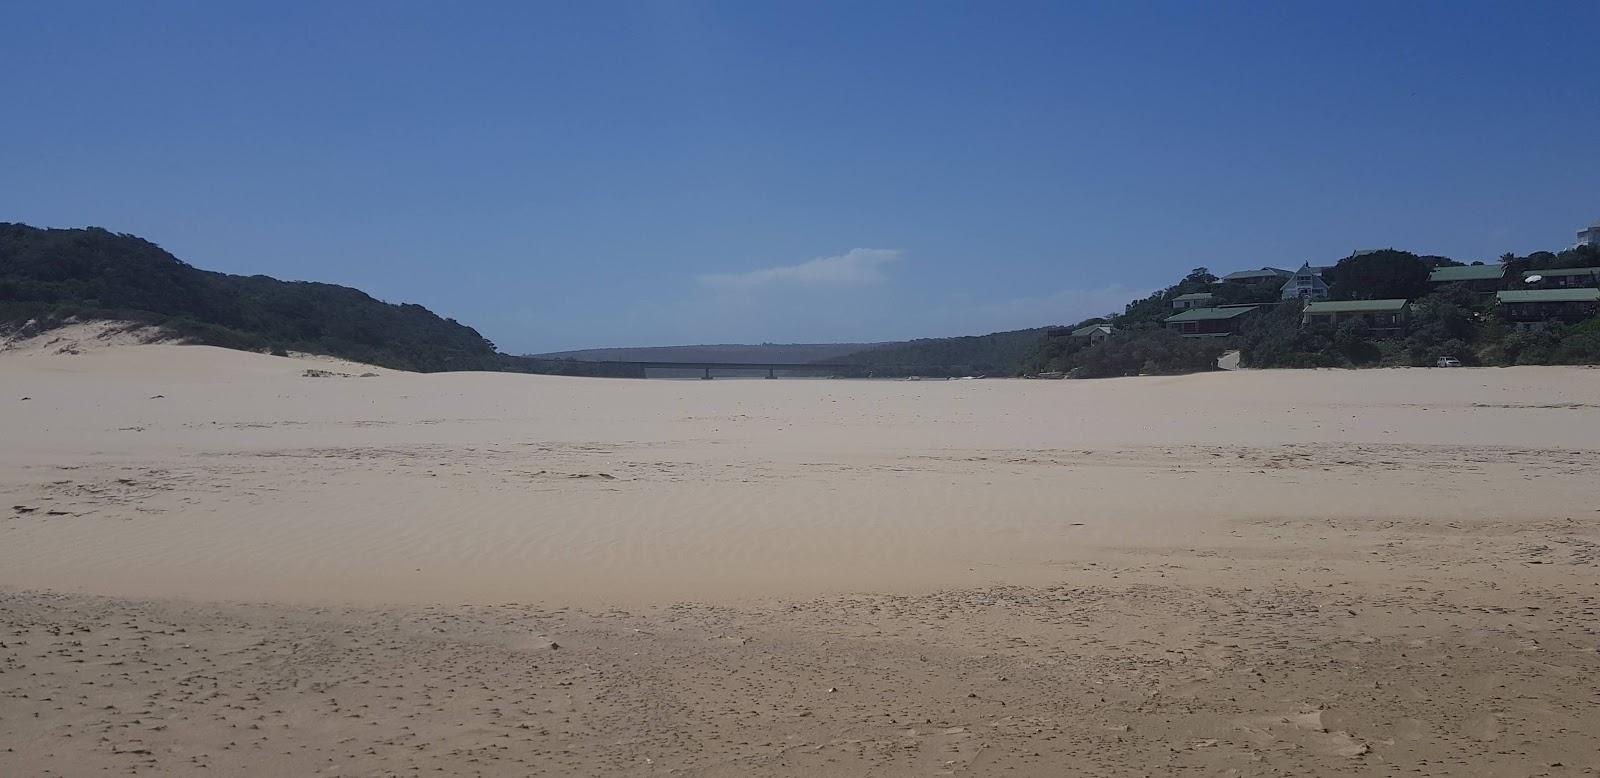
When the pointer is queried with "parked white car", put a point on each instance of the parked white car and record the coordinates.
(1448, 362)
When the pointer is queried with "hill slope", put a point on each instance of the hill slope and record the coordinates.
(49, 276)
(998, 353)
(755, 352)
(94, 273)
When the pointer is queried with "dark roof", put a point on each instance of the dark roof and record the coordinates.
(1266, 272)
(1550, 296)
(1316, 270)
(1210, 314)
(1446, 275)
(1355, 306)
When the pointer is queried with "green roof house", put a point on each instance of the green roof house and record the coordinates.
(1562, 277)
(1093, 333)
(1387, 317)
(1216, 322)
(1481, 278)
(1184, 302)
(1535, 309)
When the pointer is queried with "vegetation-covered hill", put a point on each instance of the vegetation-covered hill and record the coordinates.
(793, 353)
(1446, 320)
(1450, 320)
(998, 353)
(56, 274)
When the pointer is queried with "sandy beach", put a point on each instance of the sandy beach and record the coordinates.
(217, 562)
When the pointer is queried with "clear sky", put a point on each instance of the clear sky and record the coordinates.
(595, 174)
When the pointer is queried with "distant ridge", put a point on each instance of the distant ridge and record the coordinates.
(793, 353)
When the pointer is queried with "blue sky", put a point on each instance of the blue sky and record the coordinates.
(598, 174)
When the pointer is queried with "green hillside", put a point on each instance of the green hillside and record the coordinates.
(998, 353)
(1445, 319)
(794, 353)
(53, 275)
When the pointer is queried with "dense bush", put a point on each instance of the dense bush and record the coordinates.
(998, 353)
(1143, 352)
(93, 273)
(1378, 275)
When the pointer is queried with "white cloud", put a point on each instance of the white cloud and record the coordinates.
(856, 267)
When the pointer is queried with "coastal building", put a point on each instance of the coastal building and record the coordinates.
(1184, 302)
(1562, 278)
(1589, 236)
(1387, 317)
(1263, 276)
(1306, 284)
(1479, 278)
(1535, 309)
(1093, 333)
(1218, 322)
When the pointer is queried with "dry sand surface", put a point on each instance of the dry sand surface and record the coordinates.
(218, 563)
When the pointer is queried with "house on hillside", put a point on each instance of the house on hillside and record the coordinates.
(1184, 302)
(1562, 278)
(1263, 276)
(1535, 309)
(1218, 322)
(1306, 284)
(1478, 278)
(1093, 333)
(1589, 236)
(1384, 317)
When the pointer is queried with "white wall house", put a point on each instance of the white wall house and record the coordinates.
(1307, 284)
(1589, 236)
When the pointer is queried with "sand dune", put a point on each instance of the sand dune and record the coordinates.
(1267, 572)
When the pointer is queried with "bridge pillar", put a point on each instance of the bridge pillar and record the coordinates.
(707, 376)
(770, 373)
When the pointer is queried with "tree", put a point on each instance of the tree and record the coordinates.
(1353, 341)
(1380, 275)
(1441, 327)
